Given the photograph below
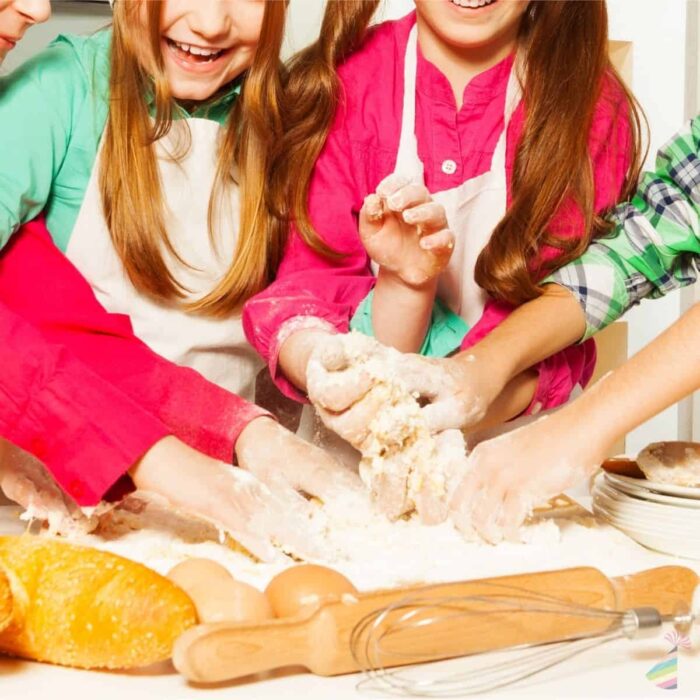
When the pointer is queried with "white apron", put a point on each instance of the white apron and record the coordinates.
(473, 208)
(216, 348)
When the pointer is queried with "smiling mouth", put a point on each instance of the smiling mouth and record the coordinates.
(194, 54)
(473, 4)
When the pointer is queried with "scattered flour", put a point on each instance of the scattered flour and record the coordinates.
(371, 551)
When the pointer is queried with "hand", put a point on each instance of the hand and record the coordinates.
(354, 381)
(285, 462)
(230, 498)
(505, 478)
(24, 480)
(343, 388)
(343, 385)
(405, 232)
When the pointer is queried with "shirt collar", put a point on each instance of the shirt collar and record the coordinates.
(482, 89)
(217, 108)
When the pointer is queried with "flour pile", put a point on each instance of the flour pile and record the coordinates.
(375, 552)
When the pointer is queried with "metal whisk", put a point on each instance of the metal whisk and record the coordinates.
(435, 624)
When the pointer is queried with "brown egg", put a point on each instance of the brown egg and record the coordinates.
(217, 596)
(301, 589)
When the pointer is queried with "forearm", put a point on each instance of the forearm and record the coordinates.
(516, 396)
(401, 313)
(664, 372)
(533, 332)
(295, 352)
(184, 477)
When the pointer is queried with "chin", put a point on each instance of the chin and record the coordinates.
(191, 90)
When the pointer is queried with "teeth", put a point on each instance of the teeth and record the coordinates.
(472, 4)
(197, 50)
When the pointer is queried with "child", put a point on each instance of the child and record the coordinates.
(16, 17)
(520, 156)
(655, 250)
(153, 254)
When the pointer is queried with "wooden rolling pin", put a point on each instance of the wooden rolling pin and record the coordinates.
(321, 642)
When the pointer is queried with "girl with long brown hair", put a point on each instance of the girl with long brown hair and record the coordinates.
(145, 147)
(467, 150)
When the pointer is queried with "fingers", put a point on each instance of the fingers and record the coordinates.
(347, 388)
(392, 184)
(430, 216)
(373, 208)
(400, 193)
(262, 516)
(516, 508)
(334, 355)
(353, 425)
(390, 489)
(331, 480)
(462, 501)
(409, 196)
(259, 547)
(440, 244)
(444, 414)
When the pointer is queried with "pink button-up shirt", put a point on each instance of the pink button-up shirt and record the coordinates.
(80, 391)
(361, 150)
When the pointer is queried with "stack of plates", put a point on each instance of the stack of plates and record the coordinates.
(663, 517)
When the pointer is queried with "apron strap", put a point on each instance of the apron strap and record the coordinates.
(407, 161)
(514, 94)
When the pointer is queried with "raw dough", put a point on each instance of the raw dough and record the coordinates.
(403, 464)
(671, 463)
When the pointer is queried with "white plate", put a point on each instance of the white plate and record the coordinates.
(643, 524)
(641, 493)
(691, 492)
(676, 546)
(648, 512)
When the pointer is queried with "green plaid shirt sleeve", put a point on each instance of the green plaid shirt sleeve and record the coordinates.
(655, 247)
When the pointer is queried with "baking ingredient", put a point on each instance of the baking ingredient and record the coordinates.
(81, 607)
(6, 602)
(217, 595)
(303, 588)
(402, 464)
(671, 463)
(369, 550)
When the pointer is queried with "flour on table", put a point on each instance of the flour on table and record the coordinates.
(371, 551)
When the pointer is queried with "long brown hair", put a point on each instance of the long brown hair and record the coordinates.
(130, 184)
(565, 62)
(312, 93)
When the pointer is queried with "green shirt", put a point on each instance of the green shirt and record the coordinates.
(655, 246)
(53, 111)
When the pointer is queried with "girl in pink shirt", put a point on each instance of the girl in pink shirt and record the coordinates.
(467, 153)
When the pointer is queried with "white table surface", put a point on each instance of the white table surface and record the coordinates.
(615, 670)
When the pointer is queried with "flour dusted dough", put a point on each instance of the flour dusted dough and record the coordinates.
(402, 462)
(671, 463)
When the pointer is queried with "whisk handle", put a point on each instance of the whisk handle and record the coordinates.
(641, 622)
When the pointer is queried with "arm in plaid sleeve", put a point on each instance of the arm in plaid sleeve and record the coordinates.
(655, 247)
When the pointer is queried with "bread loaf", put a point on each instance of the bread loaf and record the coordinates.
(5, 601)
(82, 607)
